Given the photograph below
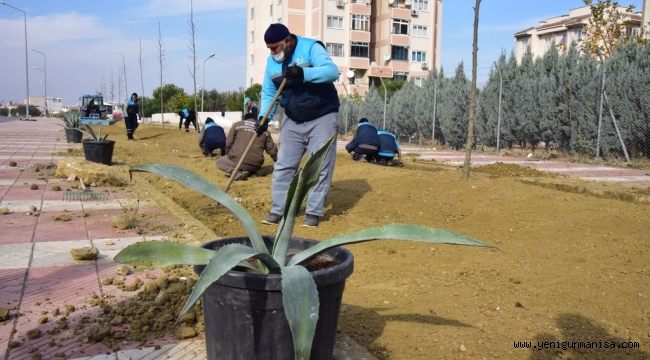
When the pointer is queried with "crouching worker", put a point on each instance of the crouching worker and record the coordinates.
(365, 142)
(388, 148)
(212, 138)
(239, 136)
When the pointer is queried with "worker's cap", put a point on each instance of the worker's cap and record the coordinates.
(276, 32)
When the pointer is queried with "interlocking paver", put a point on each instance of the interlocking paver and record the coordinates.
(57, 253)
(17, 227)
(15, 256)
(16, 206)
(49, 228)
(60, 205)
(25, 192)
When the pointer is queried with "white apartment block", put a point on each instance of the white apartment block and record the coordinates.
(562, 31)
(646, 18)
(367, 39)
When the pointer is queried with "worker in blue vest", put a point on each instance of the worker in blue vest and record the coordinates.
(311, 112)
(388, 148)
(212, 138)
(365, 142)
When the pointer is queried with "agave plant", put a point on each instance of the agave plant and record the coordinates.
(95, 136)
(299, 292)
(71, 120)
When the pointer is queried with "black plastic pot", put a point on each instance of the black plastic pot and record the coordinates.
(244, 316)
(73, 135)
(99, 151)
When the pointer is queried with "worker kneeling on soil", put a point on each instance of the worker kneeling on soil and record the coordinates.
(388, 148)
(212, 138)
(365, 142)
(239, 136)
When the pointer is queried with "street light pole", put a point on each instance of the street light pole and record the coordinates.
(45, 74)
(203, 89)
(26, 56)
(385, 94)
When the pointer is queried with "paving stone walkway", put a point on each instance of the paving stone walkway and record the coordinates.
(39, 280)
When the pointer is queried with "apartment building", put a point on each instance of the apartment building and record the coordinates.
(562, 31)
(368, 40)
(646, 18)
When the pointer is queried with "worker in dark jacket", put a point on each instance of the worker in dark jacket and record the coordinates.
(388, 148)
(365, 142)
(212, 138)
(131, 119)
(239, 136)
(190, 117)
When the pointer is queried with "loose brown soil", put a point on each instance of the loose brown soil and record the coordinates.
(570, 266)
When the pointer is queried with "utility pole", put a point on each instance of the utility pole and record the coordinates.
(600, 113)
(45, 75)
(26, 56)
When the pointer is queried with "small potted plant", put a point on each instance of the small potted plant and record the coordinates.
(270, 298)
(97, 148)
(71, 126)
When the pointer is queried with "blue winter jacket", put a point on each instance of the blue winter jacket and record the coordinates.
(366, 134)
(214, 135)
(316, 95)
(388, 144)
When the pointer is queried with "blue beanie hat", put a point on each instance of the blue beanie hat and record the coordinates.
(276, 32)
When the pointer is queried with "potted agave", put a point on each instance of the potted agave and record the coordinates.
(71, 126)
(270, 298)
(97, 148)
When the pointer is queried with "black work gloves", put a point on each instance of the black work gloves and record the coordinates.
(294, 73)
(259, 128)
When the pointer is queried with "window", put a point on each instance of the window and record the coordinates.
(418, 81)
(335, 22)
(399, 53)
(399, 76)
(577, 34)
(252, 59)
(361, 22)
(420, 30)
(279, 2)
(419, 56)
(252, 13)
(420, 5)
(359, 49)
(400, 27)
(252, 36)
(335, 49)
(271, 10)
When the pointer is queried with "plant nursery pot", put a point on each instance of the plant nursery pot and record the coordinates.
(244, 316)
(99, 151)
(73, 135)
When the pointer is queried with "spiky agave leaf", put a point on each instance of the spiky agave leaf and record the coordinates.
(203, 186)
(301, 304)
(157, 254)
(224, 260)
(389, 232)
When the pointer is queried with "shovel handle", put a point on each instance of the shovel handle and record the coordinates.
(250, 143)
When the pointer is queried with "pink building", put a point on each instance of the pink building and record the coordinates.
(368, 39)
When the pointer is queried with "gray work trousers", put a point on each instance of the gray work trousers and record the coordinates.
(295, 140)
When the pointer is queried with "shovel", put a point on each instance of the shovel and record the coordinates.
(265, 120)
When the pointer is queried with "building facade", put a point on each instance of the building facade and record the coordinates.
(646, 18)
(367, 39)
(561, 31)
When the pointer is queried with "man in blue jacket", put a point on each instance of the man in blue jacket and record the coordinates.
(311, 106)
(388, 148)
(212, 138)
(365, 142)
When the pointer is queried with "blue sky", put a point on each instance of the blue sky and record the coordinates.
(85, 41)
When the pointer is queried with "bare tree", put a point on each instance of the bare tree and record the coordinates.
(472, 97)
(161, 57)
(119, 88)
(141, 77)
(112, 88)
(192, 48)
(126, 87)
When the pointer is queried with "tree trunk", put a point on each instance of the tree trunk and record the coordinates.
(472, 98)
